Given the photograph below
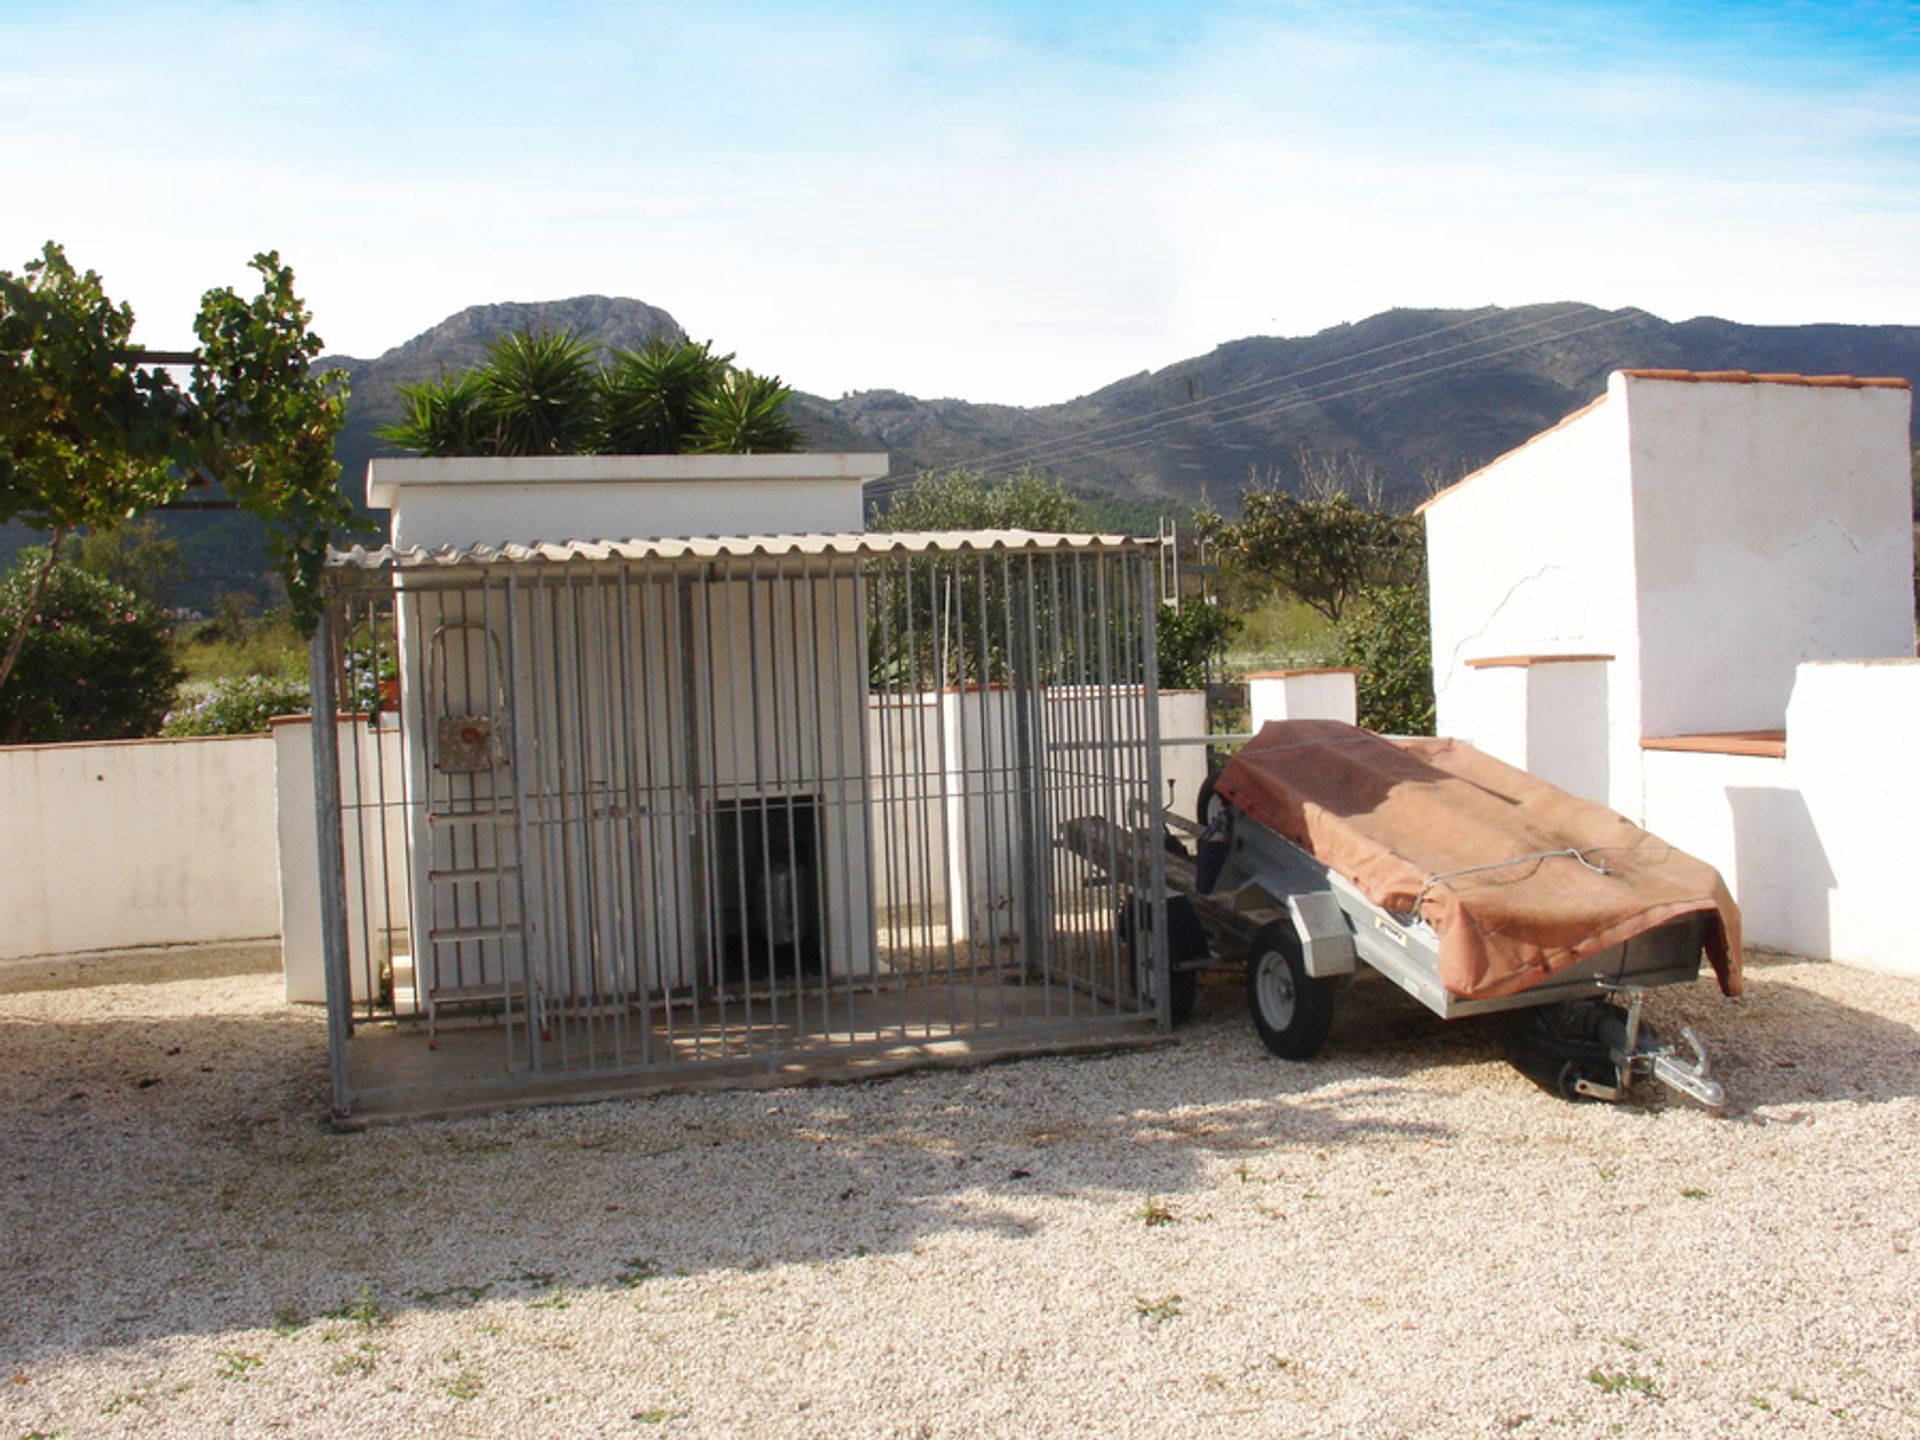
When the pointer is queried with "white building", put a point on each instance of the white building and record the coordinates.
(1693, 599)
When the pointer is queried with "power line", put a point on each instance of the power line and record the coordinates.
(1077, 447)
(1028, 453)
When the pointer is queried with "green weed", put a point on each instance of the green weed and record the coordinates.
(1166, 1308)
(1156, 1212)
(1617, 1382)
(236, 1364)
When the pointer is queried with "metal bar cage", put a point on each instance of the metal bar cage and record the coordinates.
(622, 815)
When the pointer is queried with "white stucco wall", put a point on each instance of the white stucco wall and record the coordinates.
(1534, 555)
(1853, 757)
(140, 842)
(1772, 525)
(1742, 815)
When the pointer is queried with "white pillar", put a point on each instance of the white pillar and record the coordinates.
(1547, 715)
(1302, 695)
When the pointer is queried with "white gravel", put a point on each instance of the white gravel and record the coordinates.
(1403, 1238)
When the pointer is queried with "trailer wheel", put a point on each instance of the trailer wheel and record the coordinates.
(1557, 1046)
(1292, 1011)
(1185, 941)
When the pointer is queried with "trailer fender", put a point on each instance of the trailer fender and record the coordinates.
(1325, 936)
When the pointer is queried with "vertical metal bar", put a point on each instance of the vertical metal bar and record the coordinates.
(1162, 950)
(807, 664)
(863, 780)
(701, 681)
(354, 804)
(331, 849)
(381, 804)
(995, 802)
(872, 634)
(787, 779)
(395, 598)
(616, 705)
(940, 633)
(735, 714)
(492, 689)
(532, 932)
(844, 815)
(1035, 837)
(636, 721)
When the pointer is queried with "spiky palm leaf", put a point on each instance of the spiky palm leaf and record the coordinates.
(649, 397)
(538, 394)
(441, 417)
(746, 415)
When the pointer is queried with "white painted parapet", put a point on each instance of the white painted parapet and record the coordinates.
(1547, 715)
(524, 499)
(1325, 694)
(136, 842)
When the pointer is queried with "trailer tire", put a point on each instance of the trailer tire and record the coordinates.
(1185, 941)
(1557, 1046)
(1292, 1011)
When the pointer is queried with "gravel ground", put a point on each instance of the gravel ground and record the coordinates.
(1402, 1238)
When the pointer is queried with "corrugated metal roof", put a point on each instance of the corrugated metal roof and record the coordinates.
(724, 547)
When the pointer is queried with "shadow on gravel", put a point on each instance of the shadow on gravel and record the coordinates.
(169, 1175)
(1782, 1042)
(160, 965)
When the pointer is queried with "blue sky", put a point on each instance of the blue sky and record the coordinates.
(1002, 202)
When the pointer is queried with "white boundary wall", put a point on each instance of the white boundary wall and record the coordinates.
(137, 842)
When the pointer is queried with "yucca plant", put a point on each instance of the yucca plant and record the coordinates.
(441, 417)
(649, 398)
(539, 394)
(746, 414)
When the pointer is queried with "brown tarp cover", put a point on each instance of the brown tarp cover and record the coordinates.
(1479, 849)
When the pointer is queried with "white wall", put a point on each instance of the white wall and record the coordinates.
(139, 842)
(1772, 525)
(1851, 753)
(374, 845)
(1743, 815)
(1534, 555)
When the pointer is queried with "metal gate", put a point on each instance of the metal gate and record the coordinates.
(625, 808)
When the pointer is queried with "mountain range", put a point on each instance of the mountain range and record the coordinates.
(1414, 393)
(1418, 396)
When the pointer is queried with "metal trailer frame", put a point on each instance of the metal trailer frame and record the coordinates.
(565, 811)
(1302, 928)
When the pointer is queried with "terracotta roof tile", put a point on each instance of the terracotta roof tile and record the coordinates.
(1746, 377)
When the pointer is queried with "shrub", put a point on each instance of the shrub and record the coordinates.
(1193, 638)
(1388, 637)
(94, 664)
(241, 706)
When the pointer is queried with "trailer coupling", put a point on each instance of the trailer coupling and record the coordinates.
(1641, 1053)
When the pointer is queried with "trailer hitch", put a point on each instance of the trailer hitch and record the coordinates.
(1641, 1055)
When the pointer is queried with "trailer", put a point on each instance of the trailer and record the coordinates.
(1277, 884)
